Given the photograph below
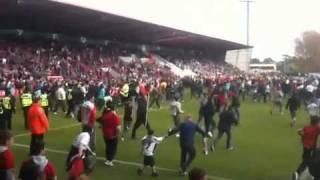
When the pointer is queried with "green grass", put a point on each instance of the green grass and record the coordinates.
(266, 148)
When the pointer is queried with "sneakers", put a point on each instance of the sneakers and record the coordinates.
(295, 176)
(177, 135)
(230, 148)
(210, 134)
(109, 163)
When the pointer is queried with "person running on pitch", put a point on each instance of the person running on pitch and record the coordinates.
(309, 136)
(208, 113)
(176, 110)
(313, 108)
(277, 100)
(187, 131)
(227, 120)
(314, 166)
(149, 145)
(141, 115)
(293, 105)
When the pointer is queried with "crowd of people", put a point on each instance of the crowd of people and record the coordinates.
(53, 79)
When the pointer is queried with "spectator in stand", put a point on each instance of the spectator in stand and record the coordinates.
(111, 128)
(37, 165)
(7, 167)
(37, 121)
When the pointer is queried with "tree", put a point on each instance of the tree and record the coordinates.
(254, 61)
(268, 61)
(307, 51)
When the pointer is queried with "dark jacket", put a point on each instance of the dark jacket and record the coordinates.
(187, 131)
(293, 103)
(208, 109)
(227, 119)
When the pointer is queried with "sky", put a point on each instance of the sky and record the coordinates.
(274, 24)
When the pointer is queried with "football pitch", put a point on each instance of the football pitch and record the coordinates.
(266, 147)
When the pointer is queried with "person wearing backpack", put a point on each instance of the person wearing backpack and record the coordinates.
(37, 166)
(309, 136)
(81, 148)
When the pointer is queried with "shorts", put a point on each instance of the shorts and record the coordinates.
(148, 161)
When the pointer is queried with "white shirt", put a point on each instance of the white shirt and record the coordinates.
(61, 94)
(149, 144)
(82, 141)
(310, 88)
(175, 107)
(268, 90)
(313, 109)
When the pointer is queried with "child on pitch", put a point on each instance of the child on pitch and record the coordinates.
(7, 168)
(149, 145)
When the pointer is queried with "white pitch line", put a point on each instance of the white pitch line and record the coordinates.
(118, 161)
(50, 130)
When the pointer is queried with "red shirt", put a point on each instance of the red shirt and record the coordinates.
(6, 160)
(310, 134)
(222, 99)
(110, 121)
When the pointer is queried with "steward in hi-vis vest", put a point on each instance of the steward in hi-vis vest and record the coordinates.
(8, 107)
(26, 101)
